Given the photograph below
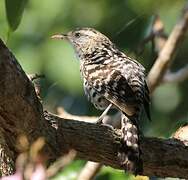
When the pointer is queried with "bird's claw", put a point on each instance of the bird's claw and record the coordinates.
(99, 121)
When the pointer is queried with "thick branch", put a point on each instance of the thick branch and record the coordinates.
(162, 158)
(21, 113)
(166, 55)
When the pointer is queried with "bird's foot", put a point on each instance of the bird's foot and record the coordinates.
(99, 121)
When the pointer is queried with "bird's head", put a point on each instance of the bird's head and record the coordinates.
(84, 40)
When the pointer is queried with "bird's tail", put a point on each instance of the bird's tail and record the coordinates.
(130, 152)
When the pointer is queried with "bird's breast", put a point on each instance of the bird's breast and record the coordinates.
(96, 98)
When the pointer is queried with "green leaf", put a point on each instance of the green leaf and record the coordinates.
(14, 11)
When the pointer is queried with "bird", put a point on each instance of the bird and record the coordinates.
(111, 79)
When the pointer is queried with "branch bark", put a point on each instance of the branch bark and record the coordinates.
(22, 113)
(162, 158)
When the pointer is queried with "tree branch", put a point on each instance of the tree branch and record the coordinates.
(167, 54)
(21, 113)
(162, 158)
(89, 171)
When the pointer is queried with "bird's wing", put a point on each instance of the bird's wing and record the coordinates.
(147, 101)
(120, 93)
(119, 88)
(127, 96)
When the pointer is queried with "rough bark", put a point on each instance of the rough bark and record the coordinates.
(21, 113)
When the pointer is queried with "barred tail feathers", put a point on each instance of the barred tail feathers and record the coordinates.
(130, 151)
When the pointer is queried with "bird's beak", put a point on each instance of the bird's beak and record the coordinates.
(59, 36)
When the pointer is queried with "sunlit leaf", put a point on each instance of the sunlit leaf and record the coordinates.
(14, 11)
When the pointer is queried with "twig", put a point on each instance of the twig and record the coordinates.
(174, 77)
(182, 134)
(156, 36)
(89, 171)
(167, 53)
(60, 164)
(33, 77)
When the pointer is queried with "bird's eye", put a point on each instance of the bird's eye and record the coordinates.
(77, 34)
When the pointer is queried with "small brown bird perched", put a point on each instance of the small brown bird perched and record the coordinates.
(112, 79)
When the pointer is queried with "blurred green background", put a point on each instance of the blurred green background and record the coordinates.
(126, 22)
